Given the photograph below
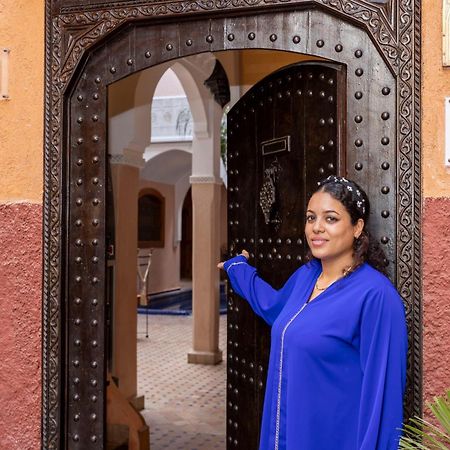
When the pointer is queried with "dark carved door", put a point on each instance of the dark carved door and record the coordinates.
(284, 135)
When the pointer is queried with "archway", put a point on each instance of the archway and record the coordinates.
(76, 108)
(168, 166)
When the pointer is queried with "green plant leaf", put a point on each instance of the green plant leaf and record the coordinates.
(424, 435)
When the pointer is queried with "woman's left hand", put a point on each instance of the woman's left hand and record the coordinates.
(243, 253)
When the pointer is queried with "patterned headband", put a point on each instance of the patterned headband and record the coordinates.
(351, 187)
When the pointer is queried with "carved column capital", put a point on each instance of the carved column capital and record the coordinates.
(128, 157)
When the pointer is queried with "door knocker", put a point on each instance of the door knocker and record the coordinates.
(268, 194)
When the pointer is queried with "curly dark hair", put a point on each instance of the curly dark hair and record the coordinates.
(357, 204)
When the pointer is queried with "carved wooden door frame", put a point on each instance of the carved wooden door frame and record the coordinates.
(75, 31)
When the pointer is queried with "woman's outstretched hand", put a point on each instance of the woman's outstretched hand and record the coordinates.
(243, 253)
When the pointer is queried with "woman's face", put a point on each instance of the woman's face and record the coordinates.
(329, 231)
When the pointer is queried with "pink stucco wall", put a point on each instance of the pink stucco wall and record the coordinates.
(20, 326)
(20, 315)
(436, 298)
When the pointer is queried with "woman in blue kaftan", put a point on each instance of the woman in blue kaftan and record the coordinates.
(337, 365)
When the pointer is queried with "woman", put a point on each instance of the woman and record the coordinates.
(337, 365)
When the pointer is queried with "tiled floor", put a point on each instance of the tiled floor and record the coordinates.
(184, 403)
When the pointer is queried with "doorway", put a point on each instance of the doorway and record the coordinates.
(76, 141)
(156, 187)
(186, 238)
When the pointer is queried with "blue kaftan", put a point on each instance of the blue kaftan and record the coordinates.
(337, 367)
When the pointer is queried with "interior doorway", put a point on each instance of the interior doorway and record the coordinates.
(152, 146)
(186, 239)
(158, 183)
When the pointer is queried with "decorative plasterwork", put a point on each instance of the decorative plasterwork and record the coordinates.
(128, 158)
(99, 23)
(219, 85)
(198, 179)
(386, 10)
(71, 34)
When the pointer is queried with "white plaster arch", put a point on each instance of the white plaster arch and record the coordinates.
(206, 143)
(196, 94)
(192, 73)
(143, 96)
(168, 166)
(130, 130)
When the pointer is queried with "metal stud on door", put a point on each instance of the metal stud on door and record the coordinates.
(86, 255)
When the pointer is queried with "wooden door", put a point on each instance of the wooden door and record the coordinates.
(284, 135)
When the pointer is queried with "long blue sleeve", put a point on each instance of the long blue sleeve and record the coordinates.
(383, 348)
(266, 301)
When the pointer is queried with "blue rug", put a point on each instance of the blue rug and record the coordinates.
(177, 303)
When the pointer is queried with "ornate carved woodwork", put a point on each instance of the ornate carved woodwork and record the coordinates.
(218, 85)
(89, 45)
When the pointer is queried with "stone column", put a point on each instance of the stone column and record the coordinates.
(125, 177)
(205, 182)
(205, 275)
